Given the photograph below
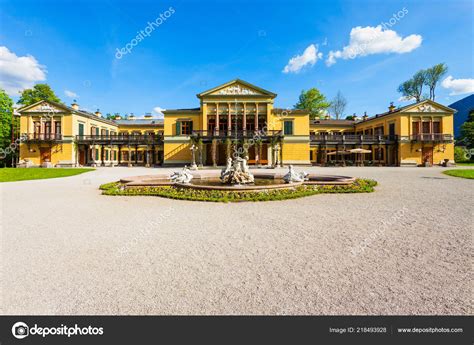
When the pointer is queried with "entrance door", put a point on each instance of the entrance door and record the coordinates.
(45, 154)
(82, 157)
(427, 155)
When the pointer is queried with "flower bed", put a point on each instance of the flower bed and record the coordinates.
(176, 192)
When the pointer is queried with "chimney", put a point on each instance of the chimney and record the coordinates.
(391, 108)
(117, 116)
(131, 116)
(74, 105)
(365, 117)
(148, 116)
(327, 117)
(98, 113)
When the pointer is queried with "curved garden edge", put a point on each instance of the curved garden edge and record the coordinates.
(463, 173)
(175, 192)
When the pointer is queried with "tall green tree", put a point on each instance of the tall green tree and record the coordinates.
(467, 130)
(6, 118)
(413, 87)
(433, 75)
(313, 101)
(37, 93)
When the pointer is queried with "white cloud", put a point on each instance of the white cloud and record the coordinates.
(374, 40)
(458, 86)
(159, 111)
(19, 72)
(70, 94)
(309, 57)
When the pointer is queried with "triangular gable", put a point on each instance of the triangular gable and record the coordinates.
(237, 87)
(44, 107)
(427, 106)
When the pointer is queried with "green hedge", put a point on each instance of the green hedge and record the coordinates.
(172, 192)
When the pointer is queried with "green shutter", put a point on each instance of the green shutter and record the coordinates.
(81, 129)
(96, 154)
(190, 127)
(106, 155)
(178, 128)
(288, 128)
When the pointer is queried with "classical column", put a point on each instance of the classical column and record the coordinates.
(136, 154)
(244, 119)
(229, 120)
(147, 157)
(217, 119)
(52, 127)
(256, 116)
(129, 156)
(119, 154)
(102, 154)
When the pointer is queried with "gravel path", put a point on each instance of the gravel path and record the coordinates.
(405, 249)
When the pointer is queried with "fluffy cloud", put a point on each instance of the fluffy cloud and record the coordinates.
(19, 72)
(374, 40)
(309, 57)
(458, 86)
(159, 111)
(70, 94)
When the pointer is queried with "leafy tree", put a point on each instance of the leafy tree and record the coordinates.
(338, 105)
(6, 117)
(37, 93)
(413, 87)
(313, 101)
(467, 130)
(433, 75)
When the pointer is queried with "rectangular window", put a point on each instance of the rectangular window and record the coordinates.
(57, 127)
(415, 128)
(436, 127)
(288, 127)
(81, 129)
(97, 131)
(115, 155)
(96, 154)
(186, 127)
(37, 129)
(426, 127)
(106, 155)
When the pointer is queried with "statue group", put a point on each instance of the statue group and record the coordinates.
(183, 176)
(293, 176)
(237, 172)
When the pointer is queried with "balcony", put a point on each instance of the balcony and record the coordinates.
(352, 139)
(147, 139)
(42, 137)
(235, 134)
(431, 137)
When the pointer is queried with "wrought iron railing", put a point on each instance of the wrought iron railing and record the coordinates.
(352, 138)
(120, 139)
(432, 137)
(42, 136)
(236, 133)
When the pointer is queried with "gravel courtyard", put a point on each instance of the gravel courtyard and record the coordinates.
(405, 249)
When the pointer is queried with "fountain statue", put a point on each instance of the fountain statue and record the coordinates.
(293, 176)
(236, 172)
(183, 176)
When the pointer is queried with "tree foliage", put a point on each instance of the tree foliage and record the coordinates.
(413, 87)
(313, 101)
(467, 130)
(338, 105)
(37, 93)
(6, 117)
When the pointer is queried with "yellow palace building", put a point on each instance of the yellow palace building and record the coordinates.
(235, 117)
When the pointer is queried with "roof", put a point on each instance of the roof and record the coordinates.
(240, 81)
(291, 111)
(140, 122)
(71, 110)
(183, 110)
(399, 109)
(332, 122)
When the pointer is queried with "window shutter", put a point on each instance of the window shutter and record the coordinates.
(190, 127)
(178, 128)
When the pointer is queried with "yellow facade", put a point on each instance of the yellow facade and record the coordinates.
(236, 118)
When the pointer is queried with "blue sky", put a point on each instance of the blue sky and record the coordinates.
(72, 46)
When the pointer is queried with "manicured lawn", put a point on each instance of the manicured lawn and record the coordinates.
(21, 174)
(464, 173)
(468, 164)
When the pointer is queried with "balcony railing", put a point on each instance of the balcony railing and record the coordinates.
(222, 134)
(353, 139)
(42, 136)
(116, 139)
(433, 137)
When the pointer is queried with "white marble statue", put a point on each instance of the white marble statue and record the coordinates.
(183, 176)
(236, 172)
(293, 176)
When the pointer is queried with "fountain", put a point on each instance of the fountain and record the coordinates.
(236, 172)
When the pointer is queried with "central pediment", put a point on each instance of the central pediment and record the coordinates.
(237, 87)
(44, 107)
